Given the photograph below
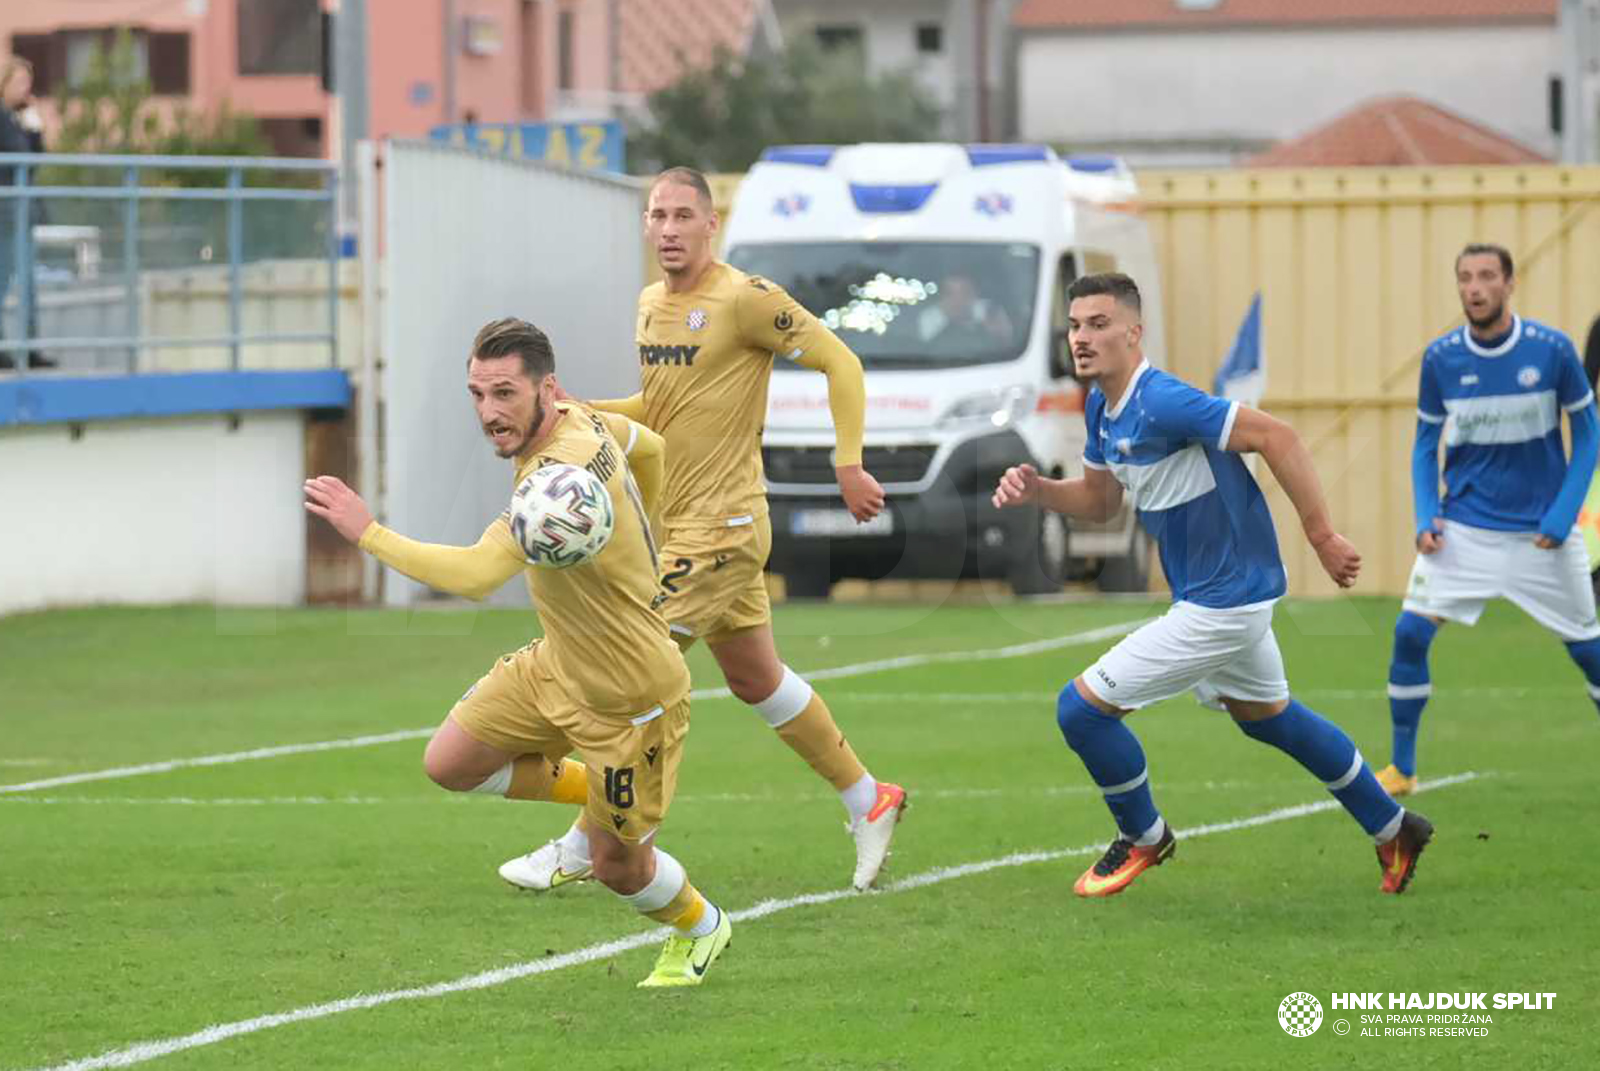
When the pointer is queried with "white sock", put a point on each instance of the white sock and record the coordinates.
(787, 702)
(1153, 834)
(708, 922)
(1390, 831)
(497, 783)
(575, 842)
(859, 797)
(668, 881)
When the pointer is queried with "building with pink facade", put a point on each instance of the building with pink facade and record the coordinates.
(429, 62)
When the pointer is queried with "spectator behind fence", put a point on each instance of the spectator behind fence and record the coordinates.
(21, 130)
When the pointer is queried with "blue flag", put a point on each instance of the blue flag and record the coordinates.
(1243, 375)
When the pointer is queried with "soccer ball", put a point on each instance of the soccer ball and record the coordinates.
(561, 516)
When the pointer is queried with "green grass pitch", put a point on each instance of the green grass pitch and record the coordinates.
(145, 908)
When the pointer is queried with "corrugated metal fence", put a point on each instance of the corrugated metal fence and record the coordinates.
(1356, 274)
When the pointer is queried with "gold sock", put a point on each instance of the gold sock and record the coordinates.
(534, 777)
(815, 738)
(683, 911)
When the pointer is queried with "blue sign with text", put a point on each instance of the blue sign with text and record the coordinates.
(596, 146)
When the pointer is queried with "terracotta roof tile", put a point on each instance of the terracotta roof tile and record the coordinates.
(660, 40)
(1397, 132)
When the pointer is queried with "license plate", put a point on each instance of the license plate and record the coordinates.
(838, 523)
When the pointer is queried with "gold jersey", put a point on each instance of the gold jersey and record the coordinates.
(604, 641)
(706, 357)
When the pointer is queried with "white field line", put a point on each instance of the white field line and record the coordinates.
(149, 1050)
(200, 801)
(834, 673)
(1374, 694)
(217, 760)
(742, 798)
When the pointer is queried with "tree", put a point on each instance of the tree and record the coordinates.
(112, 111)
(721, 117)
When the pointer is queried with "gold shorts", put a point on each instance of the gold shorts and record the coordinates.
(711, 580)
(519, 706)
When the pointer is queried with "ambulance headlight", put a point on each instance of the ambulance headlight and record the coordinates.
(999, 408)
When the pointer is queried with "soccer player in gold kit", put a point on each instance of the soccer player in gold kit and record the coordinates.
(708, 336)
(606, 680)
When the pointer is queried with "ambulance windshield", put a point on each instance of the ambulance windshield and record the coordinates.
(910, 304)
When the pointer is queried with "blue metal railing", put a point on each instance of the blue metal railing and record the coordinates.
(126, 174)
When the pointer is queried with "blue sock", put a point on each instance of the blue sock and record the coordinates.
(1114, 759)
(1323, 748)
(1409, 686)
(1587, 654)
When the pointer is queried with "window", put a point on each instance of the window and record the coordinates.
(930, 38)
(169, 63)
(64, 58)
(42, 51)
(839, 38)
(79, 48)
(564, 31)
(280, 37)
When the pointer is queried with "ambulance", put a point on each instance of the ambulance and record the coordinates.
(945, 268)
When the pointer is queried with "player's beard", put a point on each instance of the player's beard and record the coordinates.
(533, 427)
(527, 436)
(1493, 317)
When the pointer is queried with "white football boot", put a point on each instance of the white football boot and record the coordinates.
(546, 868)
(874, 831)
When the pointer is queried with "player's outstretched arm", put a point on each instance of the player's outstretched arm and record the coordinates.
(631, 407)
(1096, 496)
(474, 572)
(1562, 514)
(1286, 455)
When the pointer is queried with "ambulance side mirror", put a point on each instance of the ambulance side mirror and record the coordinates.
(1060, 355)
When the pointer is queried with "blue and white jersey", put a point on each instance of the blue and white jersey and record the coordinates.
(1501, 411)
(1164, 441)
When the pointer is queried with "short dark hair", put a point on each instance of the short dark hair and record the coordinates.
(686, 176)
(1476, 248)
(511, 337)
(1118, 285)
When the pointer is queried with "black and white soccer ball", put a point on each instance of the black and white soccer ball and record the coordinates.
(562, 516)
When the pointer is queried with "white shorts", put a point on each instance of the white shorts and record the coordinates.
(1218, 653)
(1477, 564)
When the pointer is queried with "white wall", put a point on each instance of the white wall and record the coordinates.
(153, 511)
(888, 30)
(1121, 89)
(278, 296)
(471, 238)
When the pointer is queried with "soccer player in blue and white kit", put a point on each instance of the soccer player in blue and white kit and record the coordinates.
(1494, 391)
(1175, 450)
